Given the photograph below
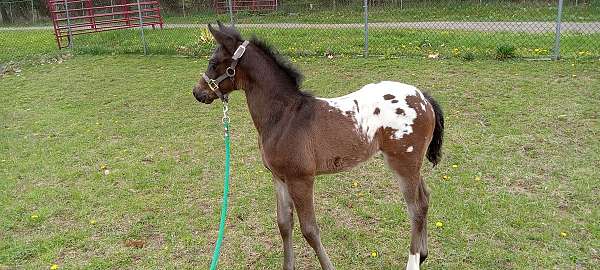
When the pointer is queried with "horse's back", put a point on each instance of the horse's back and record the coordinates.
(384, 105)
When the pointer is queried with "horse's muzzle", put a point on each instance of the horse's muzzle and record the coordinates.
(203, 97)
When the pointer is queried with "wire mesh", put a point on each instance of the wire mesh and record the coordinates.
(423, 28)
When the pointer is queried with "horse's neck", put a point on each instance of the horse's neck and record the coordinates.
(269, 96)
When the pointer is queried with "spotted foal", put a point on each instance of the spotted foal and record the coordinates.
(302, 136)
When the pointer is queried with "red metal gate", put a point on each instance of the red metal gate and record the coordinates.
(246, 5)
(77, 17)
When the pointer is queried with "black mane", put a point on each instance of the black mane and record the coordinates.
(282, 62)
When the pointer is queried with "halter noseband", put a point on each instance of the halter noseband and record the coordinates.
(229, 72)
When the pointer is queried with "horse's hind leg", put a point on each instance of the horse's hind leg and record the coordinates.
(417, 202)
(285, 221)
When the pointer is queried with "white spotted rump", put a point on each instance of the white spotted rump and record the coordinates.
(377, 105)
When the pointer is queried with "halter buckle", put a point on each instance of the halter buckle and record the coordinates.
(214, 86)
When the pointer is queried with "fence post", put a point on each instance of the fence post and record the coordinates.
(366, 8)
(556, 50)
(32, 12)
(230, 3)
(142, 27)
(70, 33)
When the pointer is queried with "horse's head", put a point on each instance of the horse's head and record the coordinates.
(220, 77)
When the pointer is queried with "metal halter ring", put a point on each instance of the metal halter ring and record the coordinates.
(230, 72)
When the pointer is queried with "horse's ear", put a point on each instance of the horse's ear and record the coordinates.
(221, 26)
(227, 41)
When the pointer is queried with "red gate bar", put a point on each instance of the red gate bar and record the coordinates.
(85, 17)
(221, 6)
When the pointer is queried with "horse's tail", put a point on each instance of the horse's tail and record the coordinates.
(434, 151)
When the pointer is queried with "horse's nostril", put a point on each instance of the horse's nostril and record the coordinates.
(199, 96)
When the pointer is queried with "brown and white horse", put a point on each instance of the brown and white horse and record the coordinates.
(302, 136)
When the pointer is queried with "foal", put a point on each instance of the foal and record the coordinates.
(302, 136)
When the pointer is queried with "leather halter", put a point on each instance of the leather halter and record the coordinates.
(213, 84)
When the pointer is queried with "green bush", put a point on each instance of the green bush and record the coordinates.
(468, 56)
(505, 51)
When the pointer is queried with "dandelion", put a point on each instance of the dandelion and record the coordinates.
(454, 166)
(34, 217)
(477, 178)
(563, 234)
(354, 184)
(373, 254)
(93, 221)
(445, 177)
(439, 224)
(54, 267)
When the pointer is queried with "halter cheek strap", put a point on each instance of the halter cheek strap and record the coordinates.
(213, 84)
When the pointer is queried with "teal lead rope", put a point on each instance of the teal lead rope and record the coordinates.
(215, 258)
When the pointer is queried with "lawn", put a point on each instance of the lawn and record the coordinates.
(430, 11)
(108, 162)
(309, 42)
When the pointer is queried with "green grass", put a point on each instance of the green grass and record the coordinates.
(528, 130)
(410, 12)
(429, 11)
(310, 42)
(17, 45)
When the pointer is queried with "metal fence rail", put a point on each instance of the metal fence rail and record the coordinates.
(388, 28)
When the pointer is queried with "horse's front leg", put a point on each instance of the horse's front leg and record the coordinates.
(301, 190)
(285, 221)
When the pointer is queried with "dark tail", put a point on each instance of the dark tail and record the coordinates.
(434, 151)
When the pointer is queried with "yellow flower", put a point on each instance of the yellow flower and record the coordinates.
(439, 224)
(445, 177)
(93, 221)
(373, 254)
(563, 234)
(54, 267)
(34, 216)
(354, 184)
(454, 166)
(477, 178)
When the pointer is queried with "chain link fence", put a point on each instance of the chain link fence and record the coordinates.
(423, 28)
